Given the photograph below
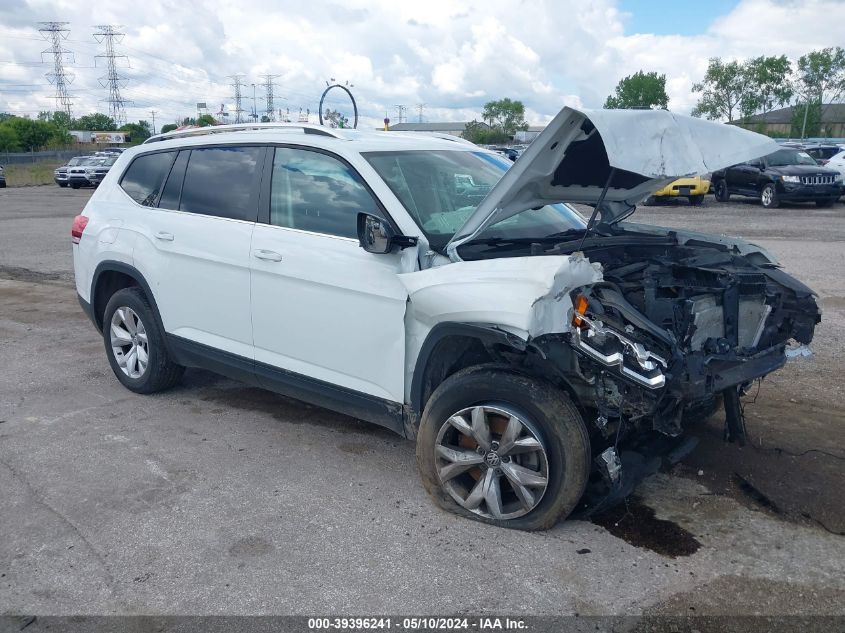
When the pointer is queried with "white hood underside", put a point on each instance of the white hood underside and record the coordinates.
(571, 161)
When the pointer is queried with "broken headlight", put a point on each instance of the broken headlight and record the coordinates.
(614, 349)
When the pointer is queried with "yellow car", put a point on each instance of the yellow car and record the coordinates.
(693, 189)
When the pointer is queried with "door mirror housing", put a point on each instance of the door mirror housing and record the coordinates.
(757, 164)
(375, 235)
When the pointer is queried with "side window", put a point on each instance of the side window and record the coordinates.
(173, 187)
(145, 177)
(315, 192)
(222, 181)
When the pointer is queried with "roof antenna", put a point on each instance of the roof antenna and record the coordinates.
(596, 208)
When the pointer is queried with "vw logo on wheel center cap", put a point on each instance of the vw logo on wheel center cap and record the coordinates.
(492, 459)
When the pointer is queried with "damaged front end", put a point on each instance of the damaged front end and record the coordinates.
(677, 324)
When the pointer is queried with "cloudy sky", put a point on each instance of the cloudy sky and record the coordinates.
(452, 55)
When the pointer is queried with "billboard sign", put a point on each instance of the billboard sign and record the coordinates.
(109, 137)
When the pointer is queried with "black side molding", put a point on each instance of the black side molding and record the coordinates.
(359, 405)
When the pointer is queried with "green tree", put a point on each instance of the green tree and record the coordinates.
(722, 90)
(820, 79)
(505, 114)
(137, 131)
(168, 127)
(640, 90)
(62, 120)
(204, 120)
(32, 135)
(481, 134)
(767, 84)
(95, 123)
(8, 138)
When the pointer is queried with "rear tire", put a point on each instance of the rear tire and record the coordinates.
(721, 192)
(555, 474)
(696, 201)
(769, 197)
(825, 203)
(135, 345)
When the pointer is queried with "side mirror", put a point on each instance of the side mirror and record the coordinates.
(375, 235)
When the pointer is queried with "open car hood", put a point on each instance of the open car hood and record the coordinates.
(572, 159)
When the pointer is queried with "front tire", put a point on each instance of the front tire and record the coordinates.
(62, 184)
(769, 197)
(135, 345)
(503, 448)
(823, 204)
(721, 191)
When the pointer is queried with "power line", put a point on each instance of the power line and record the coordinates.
(107, 34)
(420, 107)
(237, 84)
(55, 32)
(268, 96)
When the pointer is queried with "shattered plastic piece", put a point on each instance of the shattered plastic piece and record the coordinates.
(611, 465)
(799, 352)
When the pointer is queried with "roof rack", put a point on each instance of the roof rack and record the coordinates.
(305, 128)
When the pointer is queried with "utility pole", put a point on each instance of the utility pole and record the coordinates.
(268, 96)
(400, 111)
(55, 32)
(420, 107)
(107, 34)
(153, 114)
(237, 84)
(254, 114)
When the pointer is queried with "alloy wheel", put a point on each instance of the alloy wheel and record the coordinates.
(492, 462)
(767, 196)
(129, 342)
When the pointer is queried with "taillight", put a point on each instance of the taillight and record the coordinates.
(79, 224)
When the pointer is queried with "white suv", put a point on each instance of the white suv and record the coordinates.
(427, 285)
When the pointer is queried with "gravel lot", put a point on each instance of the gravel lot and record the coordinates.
(217, 498)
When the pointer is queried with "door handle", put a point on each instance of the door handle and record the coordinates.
(270, 256)
(164, 237)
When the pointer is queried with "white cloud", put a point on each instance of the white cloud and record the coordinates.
(452, 55)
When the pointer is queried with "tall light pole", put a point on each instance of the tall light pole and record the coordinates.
(254, 111)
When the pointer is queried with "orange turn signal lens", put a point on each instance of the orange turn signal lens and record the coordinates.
(580, 308)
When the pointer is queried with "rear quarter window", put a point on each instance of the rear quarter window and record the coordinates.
(144, 177)
(222, 182)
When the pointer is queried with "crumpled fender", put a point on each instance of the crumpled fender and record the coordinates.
(527, 296)
(523, 296)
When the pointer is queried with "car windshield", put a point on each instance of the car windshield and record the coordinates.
(73, 162)
(442, 188)
(785, 157)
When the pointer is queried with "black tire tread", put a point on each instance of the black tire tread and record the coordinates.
(162, 372)
(560, 415)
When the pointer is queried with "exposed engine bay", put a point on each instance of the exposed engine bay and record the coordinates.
(677, 324)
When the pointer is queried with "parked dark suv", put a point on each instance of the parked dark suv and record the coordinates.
(787, 175)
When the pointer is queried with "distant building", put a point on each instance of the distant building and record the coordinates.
(779, 122)
(526, 136)
(455, 128)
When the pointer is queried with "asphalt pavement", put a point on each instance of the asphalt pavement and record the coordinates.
(217, 498)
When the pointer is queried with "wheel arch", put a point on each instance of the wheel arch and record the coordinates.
(111, 276)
